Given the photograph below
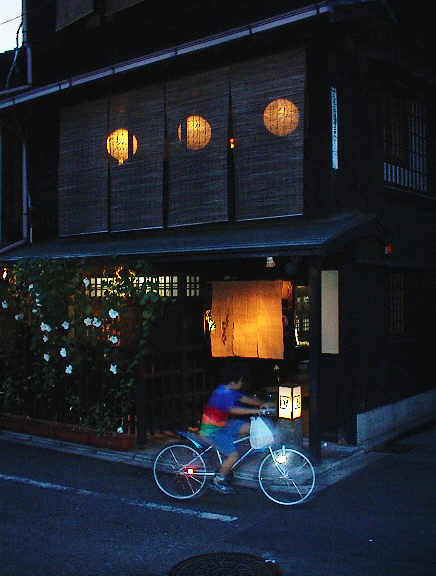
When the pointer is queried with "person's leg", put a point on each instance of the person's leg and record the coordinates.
(234, 430)
(226, 466)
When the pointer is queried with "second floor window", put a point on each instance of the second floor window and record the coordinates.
(404, 143)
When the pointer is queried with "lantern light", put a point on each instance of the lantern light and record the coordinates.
(120, 144)
(270, 263)
(196, 133)
(232, 143)
(281, 117)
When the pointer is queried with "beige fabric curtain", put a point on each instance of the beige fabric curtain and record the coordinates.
(248, 319)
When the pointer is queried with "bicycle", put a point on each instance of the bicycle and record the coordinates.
(181, 470)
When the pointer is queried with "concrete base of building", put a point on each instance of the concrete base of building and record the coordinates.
(396, 417)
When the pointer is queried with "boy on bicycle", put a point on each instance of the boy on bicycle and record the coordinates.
(219, 426)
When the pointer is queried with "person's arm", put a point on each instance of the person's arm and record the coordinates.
(251, 401)
(241, 411)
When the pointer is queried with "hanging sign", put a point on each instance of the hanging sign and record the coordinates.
(334, 103)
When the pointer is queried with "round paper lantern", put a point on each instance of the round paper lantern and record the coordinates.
(196, 132)
(121, 145)
(281, 117)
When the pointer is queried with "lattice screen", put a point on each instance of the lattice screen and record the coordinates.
(68, 11)
(268, 168)
(136, 185)
(198, 177)
(83, 199)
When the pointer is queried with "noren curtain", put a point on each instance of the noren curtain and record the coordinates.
(248, 319)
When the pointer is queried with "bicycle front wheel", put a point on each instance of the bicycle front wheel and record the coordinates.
(180, 471)
(286, 476)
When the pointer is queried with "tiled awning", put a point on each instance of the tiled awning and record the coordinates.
(260, 238)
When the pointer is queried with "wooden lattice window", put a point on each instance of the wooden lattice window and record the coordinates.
(405, 142)
(397, 304)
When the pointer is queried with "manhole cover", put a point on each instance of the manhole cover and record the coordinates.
(225, 564)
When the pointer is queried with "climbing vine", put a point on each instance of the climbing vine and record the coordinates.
(69, 352)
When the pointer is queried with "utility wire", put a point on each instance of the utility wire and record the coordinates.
(28, 12)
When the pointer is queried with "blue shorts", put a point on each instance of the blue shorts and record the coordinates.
(224, 437)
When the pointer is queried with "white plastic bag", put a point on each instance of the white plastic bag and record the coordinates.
(260, 434)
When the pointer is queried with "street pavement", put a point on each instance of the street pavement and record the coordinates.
(62, 514)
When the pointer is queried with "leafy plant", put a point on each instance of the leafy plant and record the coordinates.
(67, 354)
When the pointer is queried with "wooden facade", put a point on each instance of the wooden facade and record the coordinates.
(363, 145)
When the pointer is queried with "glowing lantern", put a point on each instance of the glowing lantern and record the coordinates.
(281, 117)
(120, 145)
(197, 132)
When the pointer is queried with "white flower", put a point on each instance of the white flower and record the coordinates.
(34, 310)
(30, 287)
(113, 339)
(96, 322)
(113, 368)
(46, 357)
(19, 316)
(120, 430)
(88, 321)
(4, 304)
(63, 352)
(86, 282)
(47, 327)
(113, 313)
(68, 369)
(65, 325)
(45, 338)
(42, 327)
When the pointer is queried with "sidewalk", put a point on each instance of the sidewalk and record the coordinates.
(337, 461)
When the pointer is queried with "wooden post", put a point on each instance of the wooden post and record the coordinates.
(314, 356)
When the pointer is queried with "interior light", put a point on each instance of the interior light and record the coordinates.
(281, 117)
(195, 132)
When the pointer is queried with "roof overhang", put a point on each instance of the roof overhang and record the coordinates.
(253, 239)
(8, 100)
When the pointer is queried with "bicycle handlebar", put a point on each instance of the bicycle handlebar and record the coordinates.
(267, 411)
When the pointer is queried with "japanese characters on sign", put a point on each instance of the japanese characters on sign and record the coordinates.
(289, 402)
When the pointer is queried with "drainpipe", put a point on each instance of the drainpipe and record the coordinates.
(26, 44)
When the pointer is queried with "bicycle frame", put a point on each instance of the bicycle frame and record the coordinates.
(199, 443)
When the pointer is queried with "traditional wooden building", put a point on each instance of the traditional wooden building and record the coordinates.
(275, 162)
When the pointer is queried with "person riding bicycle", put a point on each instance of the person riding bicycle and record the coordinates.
(219, 425)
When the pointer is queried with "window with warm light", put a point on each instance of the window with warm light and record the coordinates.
(196, 132)
(121, 145)
(281, 117)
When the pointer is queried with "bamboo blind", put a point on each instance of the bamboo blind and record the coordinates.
(198, 178)
(248, 319)
(83, 197)
(268, 168)
(68, 11)
(136, 185)
(113, 6)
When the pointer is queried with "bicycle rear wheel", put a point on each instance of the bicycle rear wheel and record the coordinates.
(180, 471)
(286, 476)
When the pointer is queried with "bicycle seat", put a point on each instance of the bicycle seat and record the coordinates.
(199, 441)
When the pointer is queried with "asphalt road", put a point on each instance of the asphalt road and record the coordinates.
(63, 514)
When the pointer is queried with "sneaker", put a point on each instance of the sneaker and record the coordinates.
(221, 485)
